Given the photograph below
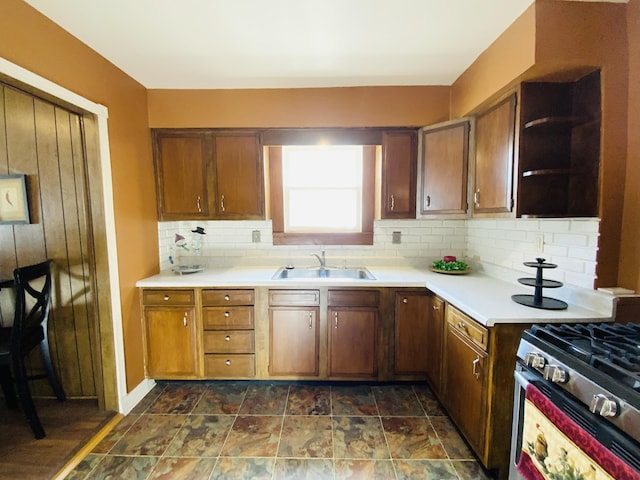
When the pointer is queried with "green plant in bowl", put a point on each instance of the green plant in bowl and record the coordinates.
(450, 266)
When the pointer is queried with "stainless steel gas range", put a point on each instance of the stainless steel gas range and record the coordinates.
(577, 402)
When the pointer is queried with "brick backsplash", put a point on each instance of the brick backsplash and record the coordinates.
(489, 244)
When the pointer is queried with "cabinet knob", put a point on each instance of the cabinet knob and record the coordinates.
(165, 298)
(405, 300)
(227, 298)
(436, 307)
(227, 314)
(227, 338)
(228, 362)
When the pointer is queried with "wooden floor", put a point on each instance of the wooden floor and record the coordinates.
(69, 425)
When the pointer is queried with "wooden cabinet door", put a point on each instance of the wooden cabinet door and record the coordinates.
(411, 336)
(465, 380)
(171, 342)
(352, 342)
(399, 160)
(444, 162)
(435, 339)
(239, 178)
(293, 341)
(181, 175)
(493, 186)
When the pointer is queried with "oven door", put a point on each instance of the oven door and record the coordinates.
(602, 432)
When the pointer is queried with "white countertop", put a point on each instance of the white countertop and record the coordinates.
(485, 298)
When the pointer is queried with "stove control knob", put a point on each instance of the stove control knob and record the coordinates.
(603, 406)
(535, 360)
(556, 374)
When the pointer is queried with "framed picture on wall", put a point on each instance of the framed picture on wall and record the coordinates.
(14, 207)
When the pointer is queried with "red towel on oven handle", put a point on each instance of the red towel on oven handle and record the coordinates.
(609, 462)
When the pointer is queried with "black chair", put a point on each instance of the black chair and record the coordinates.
(32, 286)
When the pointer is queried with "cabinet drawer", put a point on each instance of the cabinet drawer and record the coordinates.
(227, 297)
(353, 298)
(232, 366)
(229, 341)
(294, 297)
(467, 327)
(168, 297)
(221, 318)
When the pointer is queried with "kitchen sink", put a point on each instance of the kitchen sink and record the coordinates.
(359, 273)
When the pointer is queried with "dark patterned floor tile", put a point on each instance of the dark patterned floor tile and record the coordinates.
(265, 400)
(150, 435)
(309, 436)
(364, 469)
(410, 437)
(302, 468)
(353, 400)
(177, 398)
(470, 470)
(201, 436)
(86, 465)
(253, 436)
(221, 399)
(229, 468)
(428, 400)
(171, 468)
(425, 469)
(114, 436)
(359, 437)
(453, 443)
(148, 399)
(304, 400)
(131, 468)
(397, 400)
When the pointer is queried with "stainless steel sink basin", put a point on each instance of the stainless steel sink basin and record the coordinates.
(359, 273)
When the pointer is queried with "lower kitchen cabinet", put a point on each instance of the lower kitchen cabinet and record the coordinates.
(466, 385)
(352, 323)
(171, 334)
(294, 331)
(411, 338)
(435, 340)
(477, 384)
(228, 333)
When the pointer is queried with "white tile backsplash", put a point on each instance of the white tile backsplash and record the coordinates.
(485, 243)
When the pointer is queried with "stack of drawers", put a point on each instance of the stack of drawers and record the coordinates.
(229, 342)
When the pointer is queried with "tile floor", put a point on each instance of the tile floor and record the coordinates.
(222, 430)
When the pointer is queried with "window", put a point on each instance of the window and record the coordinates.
(322, 188)
(322, 194)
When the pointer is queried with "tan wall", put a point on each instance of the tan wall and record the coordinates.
(496, 69)
(32, 41)
(629, 265)
(306, 107)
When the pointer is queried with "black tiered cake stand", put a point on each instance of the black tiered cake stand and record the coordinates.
(537, 300)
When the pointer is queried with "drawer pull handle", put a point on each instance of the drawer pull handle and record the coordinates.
(227, 314)
(227, 298)
(436, 307)
(165, 298)
(405, 300)
(393, 203)
(222, 203)
(475, 371)
(198, 204)
(336, 319)
(462, 326)
(227, 338)
(310, 320)
(428, 201)
(184, 320)
(228, 362)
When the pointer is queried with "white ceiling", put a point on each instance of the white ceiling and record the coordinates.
(286, 43)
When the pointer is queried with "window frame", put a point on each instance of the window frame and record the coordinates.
(280, 237)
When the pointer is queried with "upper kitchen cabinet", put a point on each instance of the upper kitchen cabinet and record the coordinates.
(180, 165)
(443, 169)
(238, 178)
(494, 158)
(208, 174)
(399, 159)
(559, 148)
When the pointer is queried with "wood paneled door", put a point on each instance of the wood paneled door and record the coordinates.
(46, 143)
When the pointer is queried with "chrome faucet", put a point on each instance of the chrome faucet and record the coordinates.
(321, 259)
